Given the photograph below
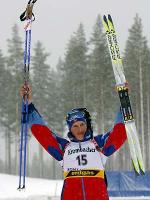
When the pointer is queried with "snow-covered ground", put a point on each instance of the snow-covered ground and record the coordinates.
(37, 189)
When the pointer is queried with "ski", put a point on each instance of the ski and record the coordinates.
(122, 89)
(28, 17)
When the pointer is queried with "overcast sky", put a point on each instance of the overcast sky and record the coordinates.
(56, 20)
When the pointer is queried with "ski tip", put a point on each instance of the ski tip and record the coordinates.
(136, 167)
(105, 18)
(142, 172)
(137, 173)
(142, 169)
(110, 19)
(105, 23)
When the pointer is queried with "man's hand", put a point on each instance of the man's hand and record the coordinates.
(26, 92)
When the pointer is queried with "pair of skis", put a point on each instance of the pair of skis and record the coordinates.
(122, 89)
(28, 17)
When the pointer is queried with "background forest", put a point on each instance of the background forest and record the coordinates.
(83, 78)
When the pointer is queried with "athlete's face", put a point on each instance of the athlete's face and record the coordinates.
(78, 129)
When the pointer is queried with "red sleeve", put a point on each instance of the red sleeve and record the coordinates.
(116, 139)
(48, 140)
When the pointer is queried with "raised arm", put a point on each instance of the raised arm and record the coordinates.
(52, 143)
(113, 140)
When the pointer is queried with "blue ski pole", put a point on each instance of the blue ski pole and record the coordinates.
(28, 17)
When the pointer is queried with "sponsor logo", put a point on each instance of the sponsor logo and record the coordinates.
(90, 172)
(78, 150)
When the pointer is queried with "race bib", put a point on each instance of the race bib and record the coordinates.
(82, 155)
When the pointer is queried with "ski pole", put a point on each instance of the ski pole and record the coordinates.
(28, 17)
(23, 122)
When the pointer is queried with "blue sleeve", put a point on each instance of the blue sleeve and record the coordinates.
(112, 140)
(62, 141)
(34, 116)
(101, 139)
(119, 118)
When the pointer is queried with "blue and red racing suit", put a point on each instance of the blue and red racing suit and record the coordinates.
(83, 162)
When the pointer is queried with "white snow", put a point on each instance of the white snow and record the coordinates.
(38, 189)
(35, 188)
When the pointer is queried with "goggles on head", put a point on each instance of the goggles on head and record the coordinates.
(74, 115)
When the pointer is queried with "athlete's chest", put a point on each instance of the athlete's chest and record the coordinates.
(82, 156)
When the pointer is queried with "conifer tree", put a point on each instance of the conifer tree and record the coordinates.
(137, 67)
(5, 79)
(14, 68)
(44, 92)
(100, 78)
(75, 70)
(40, 78)
(40, 89)
(2, 81)
(59, 97)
